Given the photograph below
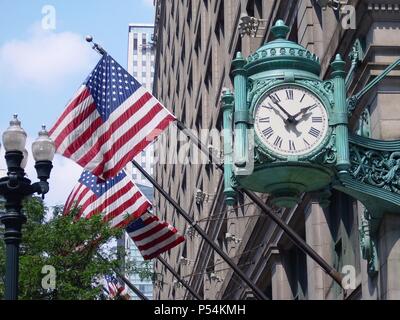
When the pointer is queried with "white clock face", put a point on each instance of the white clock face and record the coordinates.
(291, 120)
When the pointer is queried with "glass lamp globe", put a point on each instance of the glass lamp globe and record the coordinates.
(43, 148)
(24, 159)
(14, 138)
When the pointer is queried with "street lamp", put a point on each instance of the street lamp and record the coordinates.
(14, 187)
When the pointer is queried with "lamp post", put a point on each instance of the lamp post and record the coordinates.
(14, 187)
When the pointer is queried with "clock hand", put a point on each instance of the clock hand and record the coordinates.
(277, 112)
(304, 110)
(290, 117)
(305, 117)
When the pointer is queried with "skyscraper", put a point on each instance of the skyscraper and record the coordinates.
(141, 66)
(196, 42)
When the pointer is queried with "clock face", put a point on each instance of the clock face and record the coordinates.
(291, 120)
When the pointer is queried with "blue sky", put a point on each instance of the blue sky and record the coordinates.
(42, 67)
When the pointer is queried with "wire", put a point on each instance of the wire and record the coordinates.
(221, 262)
(241, 217)
(215, 271)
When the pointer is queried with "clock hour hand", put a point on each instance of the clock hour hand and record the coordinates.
(303, 110)
(305, 117)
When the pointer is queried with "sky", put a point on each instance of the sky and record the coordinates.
(44, 58)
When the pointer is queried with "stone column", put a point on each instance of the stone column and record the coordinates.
(279, 278)
(389, 257)
(318, 236)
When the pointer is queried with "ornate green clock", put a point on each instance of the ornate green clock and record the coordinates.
(291, 120)
(291, 135)
(283, 120)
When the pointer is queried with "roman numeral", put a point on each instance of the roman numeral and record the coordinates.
(268, 106)
(314, 132)
(266, 119)
(275, 98)
(268, 132)
(316, 119)
(289, 94)
(306, 142)
(278, 142)
(292, 146)
(301, 100)
(312, 107)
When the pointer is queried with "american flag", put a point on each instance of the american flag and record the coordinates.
(118, 199)
(113, 287)
(152, 236)
(109, 121)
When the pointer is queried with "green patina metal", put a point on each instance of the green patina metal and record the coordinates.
(364, 168)
(227, 102)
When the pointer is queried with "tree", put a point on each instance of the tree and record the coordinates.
(73, 247)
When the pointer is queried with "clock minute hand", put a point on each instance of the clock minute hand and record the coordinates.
(277, 112)
(290, 117)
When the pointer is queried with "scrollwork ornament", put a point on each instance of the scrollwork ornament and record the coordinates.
(328, 154)
(257, 88)
(367, 244)
(261, 157)
(351, 105)
(377, 168)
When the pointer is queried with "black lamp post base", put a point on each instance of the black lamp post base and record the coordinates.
(12, 220)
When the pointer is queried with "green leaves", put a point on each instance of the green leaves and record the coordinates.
(72, 248)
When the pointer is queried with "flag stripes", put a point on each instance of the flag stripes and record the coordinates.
(110, 120)
(117, 199)
(152, 237)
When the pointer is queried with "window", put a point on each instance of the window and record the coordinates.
(209, 74)
(190, 81)
(135, 42)
(220, 25)
(296, 266)
(254, 8)
(189, 13)
(197, 44)
(343, 222)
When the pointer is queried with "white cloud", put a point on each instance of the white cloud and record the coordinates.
(44, 59)
(63, 178)
(149, 2)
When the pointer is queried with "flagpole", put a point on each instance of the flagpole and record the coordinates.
(298, 241)
(202, 233)
(184, 283)
(292, 235)
(96, 46)
(126, 281)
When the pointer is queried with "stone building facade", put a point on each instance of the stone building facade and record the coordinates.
(196, 41)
